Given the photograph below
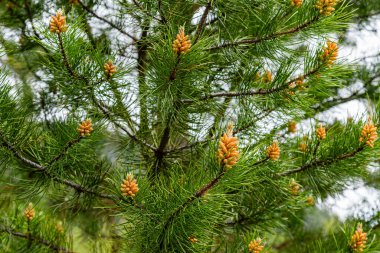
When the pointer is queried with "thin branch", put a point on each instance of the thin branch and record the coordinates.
(138, 5)
(35, 239)
(202, 22)
(252, 92)
(64, 150)
(240, 129)
(320, 162)
(65, 60)
(44, 169)
(159, 152)
(97, 103)
(107, 114)
(269, 37)
(161, 12)
(198, 194)
(11, 148)
(85, 7)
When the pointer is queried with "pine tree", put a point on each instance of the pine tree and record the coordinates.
(171, 126)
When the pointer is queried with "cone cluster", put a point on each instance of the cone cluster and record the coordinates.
(326, 7)
(182, 43)
(302, 147)
(267, 77)
(310, 200)
(129, 187)
(193, 239)
(294, 187)
(59, 227)
(228, 153)
(296, 3)
(273, 151)
(358, 239)
(292, 126)
(58, 23)
(255, 246)
(299, 83)
(29, 212)
(109, 68)
(321, 132)
(369, 134)
(85, 128)
(330, 53)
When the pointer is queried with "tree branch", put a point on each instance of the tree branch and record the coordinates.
(269, 37)
(202, 22)
(241, 129)
(44, 169)
(85, 7)
(251, 92)
(320, 162)
(36, 239)
(97, 103)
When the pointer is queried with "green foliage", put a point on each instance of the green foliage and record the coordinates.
(160, 116)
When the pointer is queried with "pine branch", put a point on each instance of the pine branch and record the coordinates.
(64, 150)
(252, 92)
(107, 114)
(161, 12)
(138, 5)
(202, 22)
(44, 169)
(35, 239)
(198, 194)
(13, 150)
(97, 103)
(320, 162)
(64, 56)
(269, 37)
(159, 152)
(88, 9)
(239, 130)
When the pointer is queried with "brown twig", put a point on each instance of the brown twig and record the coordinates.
(202, 22)
(88, 9)
(252, 92)
(35, 239)
(319, 162)
(269, 37)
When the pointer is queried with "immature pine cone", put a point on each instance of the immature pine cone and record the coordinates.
(109, 68)
(129, 187)
(255, 246)
(59, 227)
(294, 187)
(321, 132)
(358, 239)
(326, 7)
(58, 23)
(85, 128)
(29, 212)
(369, 134)
(193, 239)
(330, 53)
(182, 43)
(292, 126)
(228, 153)
(273, 151)
(73, 1)
(296, 3)
(302, 147)
(267, 77)
(310, 200)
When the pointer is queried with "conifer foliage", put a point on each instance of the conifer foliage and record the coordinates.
(175, 126)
